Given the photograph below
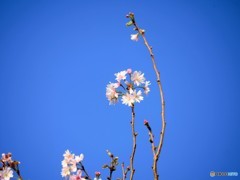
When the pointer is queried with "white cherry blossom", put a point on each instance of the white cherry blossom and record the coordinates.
(6, 173)
(128, 99)
(134, 37)
(121, 75)
(146, 88)
(138, 78)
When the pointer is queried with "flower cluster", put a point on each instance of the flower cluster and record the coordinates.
(128, 87)
(8, 166)
(70, 165)
(6, 173)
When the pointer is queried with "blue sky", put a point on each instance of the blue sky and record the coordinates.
(56, 58)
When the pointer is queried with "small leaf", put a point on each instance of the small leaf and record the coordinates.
(129, 23)
(115, 161)
(105, 166)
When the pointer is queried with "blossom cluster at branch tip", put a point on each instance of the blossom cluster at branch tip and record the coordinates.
(6, 173)
(70, 166)
(130, 87)
(8, 165)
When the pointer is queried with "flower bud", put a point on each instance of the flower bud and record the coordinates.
(129, 71)
(97, 174)
(145, 122)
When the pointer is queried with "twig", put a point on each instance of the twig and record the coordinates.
(112, 166)
(84, 170)
(151, 136)
(160, 144)
(134, 135)
(124, 172)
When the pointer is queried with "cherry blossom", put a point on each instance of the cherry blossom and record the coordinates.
(134, 37)
(79, 158)
(146, 88)
(6, 174)
(128, 99)
(138, 78)
(121, 75)
(7, 157)
(65, 171)
(77, 176)
(69, 163)
(126, 87)
(137, 96)
(111, 93)
(68, 156)
(71, 166)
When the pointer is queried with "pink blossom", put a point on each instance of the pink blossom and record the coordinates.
(77, 176)
(129, 71)
(145, 122)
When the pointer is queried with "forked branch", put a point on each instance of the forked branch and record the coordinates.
(141, 32)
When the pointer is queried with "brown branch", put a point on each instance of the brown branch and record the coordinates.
(124, 172)
(84, 170)
(134, 136)
(151, 136)
(160, 144)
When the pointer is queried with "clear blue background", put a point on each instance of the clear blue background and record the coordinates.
(56, 58)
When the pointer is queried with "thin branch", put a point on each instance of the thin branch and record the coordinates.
(162, 133)
(134, 136)
(110, 174)
(84, 170)
(151, 136)
(124, 172)
(113, 164)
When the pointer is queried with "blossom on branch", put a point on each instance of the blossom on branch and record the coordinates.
(138, 78)
(8, 166)
(111, 93)
(121, 75)
(6, 173)
(130, 89)
(134, 37)
(77, 176)
(146, 88)
(7, 157)
(70, 165)
(128, 99)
